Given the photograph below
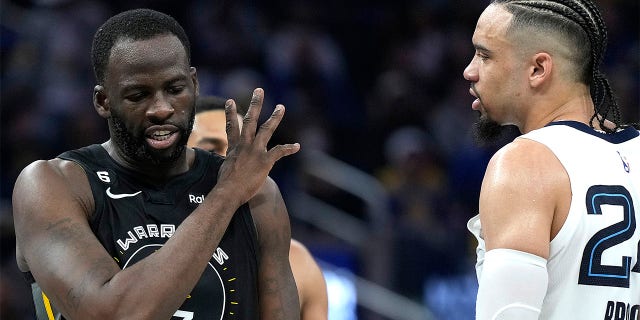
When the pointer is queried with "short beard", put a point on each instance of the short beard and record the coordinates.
(491, 133)
(136, 148)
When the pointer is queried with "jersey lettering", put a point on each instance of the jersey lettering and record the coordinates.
(147, 231)
(617, 310)
(220, 256)
(592, 270)
(128, 241)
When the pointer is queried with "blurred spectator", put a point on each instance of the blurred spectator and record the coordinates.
(422, 244)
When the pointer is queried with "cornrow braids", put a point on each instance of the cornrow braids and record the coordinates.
(585, 15)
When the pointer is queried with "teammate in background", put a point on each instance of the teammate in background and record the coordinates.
(559, 206)
(312, 288)
(209, 134)
(209, 127)
(142, 227)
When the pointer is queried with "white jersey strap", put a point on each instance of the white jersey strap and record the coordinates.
(512, 285)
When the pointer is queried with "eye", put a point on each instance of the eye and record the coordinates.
(175, 89)
(136, 96)
(482, 56)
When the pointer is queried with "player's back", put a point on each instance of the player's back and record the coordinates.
(593, 266)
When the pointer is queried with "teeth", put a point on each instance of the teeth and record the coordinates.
(161, 135)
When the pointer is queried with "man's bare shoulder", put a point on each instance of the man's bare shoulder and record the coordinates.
(299, 253)
(523, 163)
(305, 268)
(525, 166)
(53, 176)
(51, 168)
(45, 193)
(523, 185)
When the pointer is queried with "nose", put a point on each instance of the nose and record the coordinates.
(470, 73)
(160, 109)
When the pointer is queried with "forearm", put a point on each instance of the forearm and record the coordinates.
(165, 278)
(512, 285)
(84, 282)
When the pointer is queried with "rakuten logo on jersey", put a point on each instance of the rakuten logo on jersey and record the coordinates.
(196, 199)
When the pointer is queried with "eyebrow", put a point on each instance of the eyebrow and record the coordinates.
(177, 78)
(128, 85)
(480, 47)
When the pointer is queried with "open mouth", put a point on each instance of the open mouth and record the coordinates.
(161, 135)
(162, 139)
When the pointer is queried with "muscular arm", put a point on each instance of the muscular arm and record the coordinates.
(523, 203)
(276, 287)
(51, 203)
(312, 288)
(524, 198)
(52, 200)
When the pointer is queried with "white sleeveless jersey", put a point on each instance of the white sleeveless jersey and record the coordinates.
(593, 266)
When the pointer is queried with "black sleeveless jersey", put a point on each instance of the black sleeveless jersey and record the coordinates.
(134, 219)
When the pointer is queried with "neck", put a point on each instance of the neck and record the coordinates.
(572, 103)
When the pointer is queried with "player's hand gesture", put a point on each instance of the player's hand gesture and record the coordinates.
(248, 161)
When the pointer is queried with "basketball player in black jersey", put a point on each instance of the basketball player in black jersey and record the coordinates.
(209, 133)
(141, 227)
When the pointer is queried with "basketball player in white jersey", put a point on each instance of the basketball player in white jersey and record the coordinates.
(559, 206)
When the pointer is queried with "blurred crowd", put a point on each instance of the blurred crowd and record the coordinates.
(376, 84)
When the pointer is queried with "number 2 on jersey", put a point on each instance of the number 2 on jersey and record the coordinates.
(592, 271)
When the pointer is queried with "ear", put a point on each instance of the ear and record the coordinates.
(540, 69)
(101, 102)
(194, 79)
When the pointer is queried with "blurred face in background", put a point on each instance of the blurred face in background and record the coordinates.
(209, 132)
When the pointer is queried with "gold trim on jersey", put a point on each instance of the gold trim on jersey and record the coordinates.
(47, 306)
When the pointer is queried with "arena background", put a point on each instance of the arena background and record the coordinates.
(388, 173)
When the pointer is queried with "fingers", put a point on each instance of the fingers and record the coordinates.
(250, 121)
(232, 126)
(282, 150)
(248, 136)
(269, 126)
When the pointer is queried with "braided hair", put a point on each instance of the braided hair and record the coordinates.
(580, 22)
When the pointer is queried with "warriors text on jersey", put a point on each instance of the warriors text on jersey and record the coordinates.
(132, 220)
(593, 266)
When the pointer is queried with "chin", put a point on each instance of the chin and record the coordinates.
(165, 156)
(488, 131)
